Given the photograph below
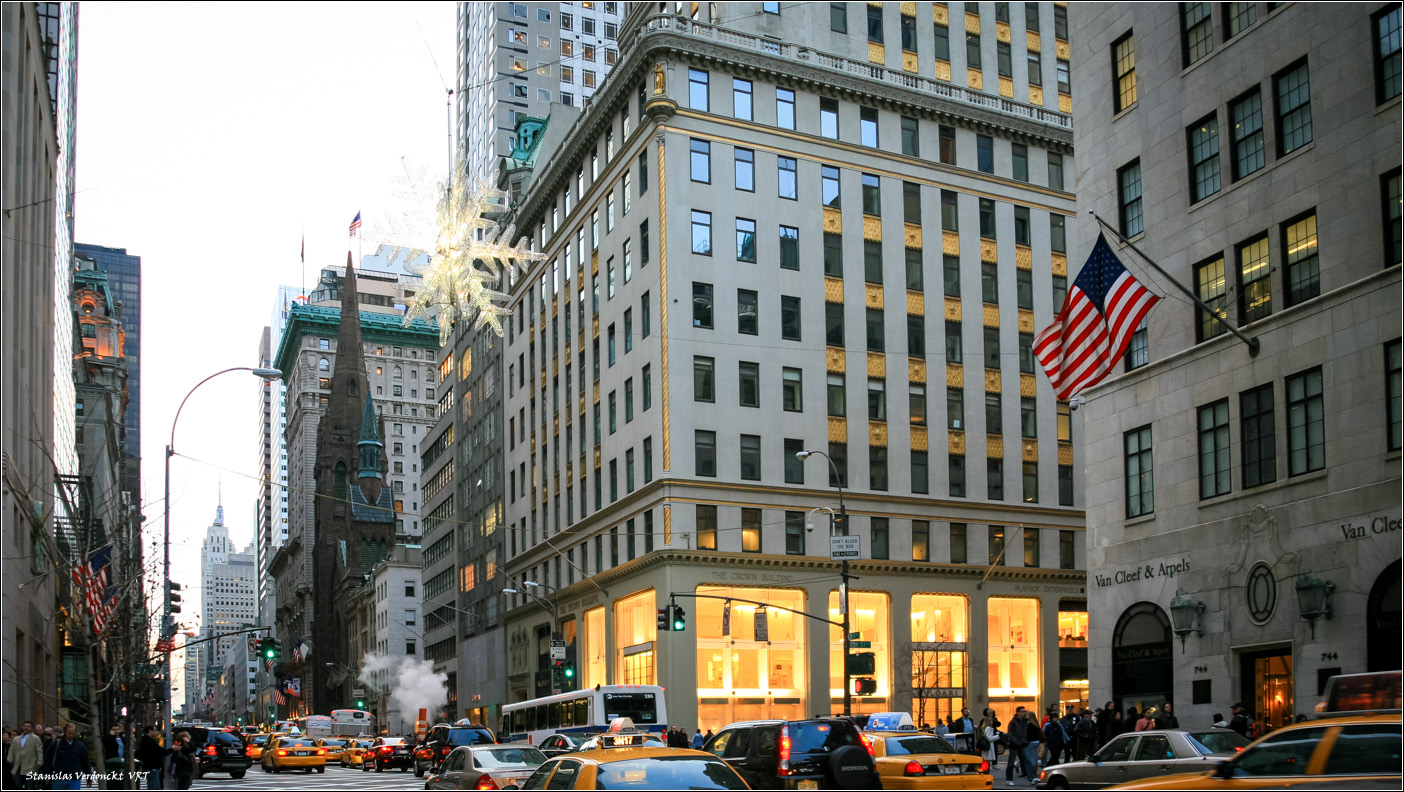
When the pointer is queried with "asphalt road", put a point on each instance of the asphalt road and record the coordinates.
(336, 777)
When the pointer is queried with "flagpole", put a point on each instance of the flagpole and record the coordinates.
(1253, 345)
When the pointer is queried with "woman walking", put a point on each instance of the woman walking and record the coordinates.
(989, 731)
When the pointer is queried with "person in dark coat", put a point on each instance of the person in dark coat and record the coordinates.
(1129, 723)
(1023, 738)
(183, 760)
(66, 760)
(1165, 718)
(1240, 722)
(152, 755)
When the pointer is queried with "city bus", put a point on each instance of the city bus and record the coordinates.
(352, 722)
(584, 712)
(315, 726)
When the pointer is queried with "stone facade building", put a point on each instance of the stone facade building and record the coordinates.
(1243, 506)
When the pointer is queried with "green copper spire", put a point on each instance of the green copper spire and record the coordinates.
(370, 445)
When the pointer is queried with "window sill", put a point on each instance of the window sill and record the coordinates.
(1123, 112)
(1271, 486)
(1144, 519)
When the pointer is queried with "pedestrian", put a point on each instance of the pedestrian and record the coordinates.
(1084, 735)
(1239, 721)
(152, 755)
(1165, 718)
(697, 741)
(1055, 737)
(965, 725)
(1107, 724)
(113, 755)
(183, 760)
(943, 728)
(26, 756)
(1023, 744)
(67, 760)
(5, 765)
(987, 737)
(1128, 724)
(708, 738)
(1146, 721)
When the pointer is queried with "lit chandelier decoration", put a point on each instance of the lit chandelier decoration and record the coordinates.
(465, 250)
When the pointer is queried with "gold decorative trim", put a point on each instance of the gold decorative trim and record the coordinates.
(1065, 453)
(872, 295)
(916, 370)
(1023, 257)
(580, 274)
(570, 471)
(838, 430)
(1060, 266)
(582, 404)
(940, 14)
(955, 442)
(994, 446)
(595, 261)
(919, 439)
(1002, 32)
(597, 460)
(972, 23)
(835, 359)
(909, 61)
(907, 9)
(1034, 42)
(1035, 95)
(555, 363)
(595, 326)
(877, 364)
(1030, 450)
(955, 375)
(663, 305)
(1006, 87)
(943, 70)
(1028, 385)
(1064, 103)
(833, 290)
(833, 221)
(667, 525)
(953, 309)
(993, 381)
(916, 303)
(975, 79)
(877, 434)
(876, 53)
(989, 250)
(911, 236)
(1026, 320)
(950, 243)
(597, 392)
(989, 315)
(872, 228)
(555, 305)
(1064, 52)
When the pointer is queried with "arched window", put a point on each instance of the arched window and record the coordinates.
(365, 554)
(324, 365)
(396, 373)
(339, 481)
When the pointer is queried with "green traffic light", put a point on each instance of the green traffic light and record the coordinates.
(569, 672)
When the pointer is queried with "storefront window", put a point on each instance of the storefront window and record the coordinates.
(1073, 680)
(1013, 655)
(635, 626)
(594, 660)
(738, 677)
(868, 615)
(1072, 629)
(939, 656)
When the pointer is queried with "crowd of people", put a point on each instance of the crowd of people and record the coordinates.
(37, 757)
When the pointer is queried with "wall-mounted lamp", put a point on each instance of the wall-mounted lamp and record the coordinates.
(1314, 598)
(1186, 616)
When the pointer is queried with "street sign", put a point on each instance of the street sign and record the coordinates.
(853, 636)
(253, 644)
(861, 644)
(726, 618)
(558, 650)
(358, 693)
(762, 626)
(844, 548)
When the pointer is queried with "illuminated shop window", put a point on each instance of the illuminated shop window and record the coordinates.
(939, 657)
(635, 627)
(1072, 630)
(868, 615)
(594, 660)
(1013, 670)
(738, 677)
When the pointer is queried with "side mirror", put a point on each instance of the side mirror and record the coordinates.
(1224, 770)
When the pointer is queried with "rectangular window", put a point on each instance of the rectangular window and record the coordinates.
(950, 275)
(954, 343)
(872, 261)
(1138, 350)
(1140, 482)
(943, 43)
(984, 151)
(702, 305)
(911, 142)
(877, 336)
(955, 468)
(1292, 87)
(697, 90)
(1306, 423)
(877, 480)
(958, 543)
(785, 106)
(1064, 76)
(994, 479)
(1124, 69)
(1210, 285)
(829, 186)
(916, 335)
(955, 408)
(1031, 555)
(911, 203)
(792, 390)
(872, 202)
(1238, 16)
(1214, 464)
(1258, 436)
(628, 402)
(833, 255)
(706, 527)
(644, 326)
(1303, 274)
(1254, 284)
(747, 312)
(701, 161)
(972, 50)
(745, 240)
(950, 211)
(877, 399)
(643, 242)
(909, 37)
(790, 318)
(1393, 203)
(874, 25)
(646, 391)
(1065, 485)
(612, 357)
(1028, 417)
(750, 457)
(828, 118)
(1022, 231)
(868, 126)
(748, 374)
(751, 528)
(1392, 394)
(741, 98)
(787, 178)
(992, 359)
(921, 473)
(1055, 175)
(789, 247)
(916, 403)
(1129, 198)
(838, 473)
(701, 233)
(794, 466)
(994, 413)
(703, 379)
(1035, 69)
(995, 537)
(1020, 154)
(1247, 116)
(795, 524)
(643, 174)
(987, 218)
(915, 268)
(745, 170)
(1386, 24)
(706, 457)
(1196, 31)
(1004, 60)
(838, 17)
(1026, 356)
(1204, 158)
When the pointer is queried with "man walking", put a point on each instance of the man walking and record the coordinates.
(151, 754)
(1239, 721)
(67, 760)
(697, 739)
(1023, 743)
(1055, 738)
(26, 755)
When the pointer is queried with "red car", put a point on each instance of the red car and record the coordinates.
(387, 752)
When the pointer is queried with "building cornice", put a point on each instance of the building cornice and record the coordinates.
(304, 320)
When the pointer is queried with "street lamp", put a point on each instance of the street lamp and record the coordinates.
(1186, 616)
(1314, 599)
(167, 626)
(842, 520)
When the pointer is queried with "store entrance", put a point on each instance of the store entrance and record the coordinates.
(1142, 658)
(1267, 686)
(1382, 623)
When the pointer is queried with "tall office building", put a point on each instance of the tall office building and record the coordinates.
(227, 595)
(802, 228)
(517, 59)
(124, 281)
(1244, 503)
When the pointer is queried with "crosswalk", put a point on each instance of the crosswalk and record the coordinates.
(334, 778)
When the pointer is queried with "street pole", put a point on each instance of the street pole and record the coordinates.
(842, 521)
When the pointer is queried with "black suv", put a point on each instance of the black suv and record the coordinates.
(443, 738)
(217, 751)
(829, 753)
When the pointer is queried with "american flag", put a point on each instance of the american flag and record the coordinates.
(268, 664)
(279, 698)
(1100, 313)
(91, 580)
(355, 224)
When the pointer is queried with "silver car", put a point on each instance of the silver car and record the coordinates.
(1136, 755)
(496, 766)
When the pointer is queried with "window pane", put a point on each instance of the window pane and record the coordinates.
(1293, 109)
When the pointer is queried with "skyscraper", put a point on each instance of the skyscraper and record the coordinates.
(124, 280)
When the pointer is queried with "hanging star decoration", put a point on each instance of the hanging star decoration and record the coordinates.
(468, 253)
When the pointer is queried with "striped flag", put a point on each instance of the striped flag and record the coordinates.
(92, 584)
(268, 664)
(355, 224)
(1100, 313)
(279, 697)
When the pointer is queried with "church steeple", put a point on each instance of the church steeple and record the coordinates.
(369, 445)
(349, 384)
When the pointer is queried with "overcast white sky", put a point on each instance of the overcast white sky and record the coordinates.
(210, 136)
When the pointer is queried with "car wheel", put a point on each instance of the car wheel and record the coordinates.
(850, 767)
(322, 769)
(378, 768)
(418, 770)
(1057, 782)
(237, 773)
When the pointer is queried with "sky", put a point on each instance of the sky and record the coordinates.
(211, 139)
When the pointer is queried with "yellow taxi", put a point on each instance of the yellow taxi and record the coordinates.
(352, 751)
(624, 762)
(256, 744)
(909, 759)
(1355, 742)
(293, 753)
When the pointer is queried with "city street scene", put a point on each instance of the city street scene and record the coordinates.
(678, 395)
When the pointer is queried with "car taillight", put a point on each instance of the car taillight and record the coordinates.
(486, 782)
(985, 766)
(785, 750)
(210, 750)
(385, 749)
(444, 751)
(282, 752)
(321, 752)
(1237, 748)
(914, 768)
(867, 744)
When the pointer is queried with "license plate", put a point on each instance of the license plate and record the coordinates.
(231, 750)
(950, 769)
(808, 784)
(303, 753)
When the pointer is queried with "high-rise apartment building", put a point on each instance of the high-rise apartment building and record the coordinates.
(123, 272)
(788, 228)
(517, 59)
(1244, 503)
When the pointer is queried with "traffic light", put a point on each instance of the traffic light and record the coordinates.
(679, 620)
(665, 618)
(173, 592)
(862, 663)
(864, 686)
(558, 675)
(360, 704)
(569, 672)
(268, 648)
